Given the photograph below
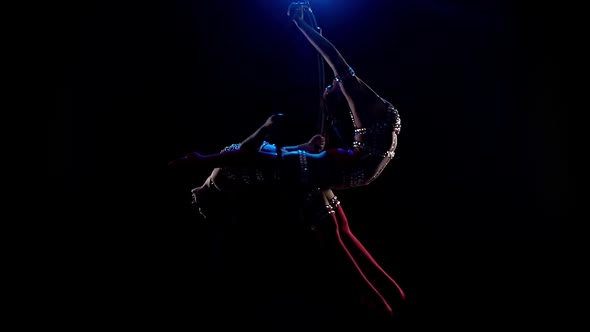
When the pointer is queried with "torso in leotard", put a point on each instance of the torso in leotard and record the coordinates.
(374, 146)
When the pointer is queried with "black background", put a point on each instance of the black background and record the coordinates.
(466, 216)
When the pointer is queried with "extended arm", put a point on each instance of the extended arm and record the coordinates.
(315, 144)
(254, 141)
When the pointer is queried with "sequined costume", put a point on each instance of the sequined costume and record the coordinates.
(237, 179)
(373, 146)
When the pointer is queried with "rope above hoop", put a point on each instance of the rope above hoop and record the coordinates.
(321, 71)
